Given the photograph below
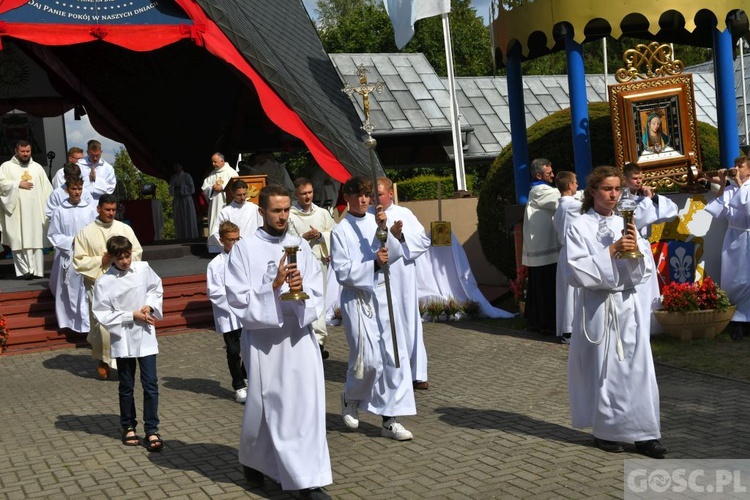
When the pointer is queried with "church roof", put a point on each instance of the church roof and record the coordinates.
(416, 99)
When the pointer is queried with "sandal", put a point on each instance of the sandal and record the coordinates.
(130, 440)
(153, 444)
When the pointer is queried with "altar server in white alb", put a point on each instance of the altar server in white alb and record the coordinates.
(243, 213)
(24, 189)
(611, 379)
(283, 430)
(213, 188)
(651, 209)
(373, 383)
(181, 188)
(414, 243)
(733, 203)
(568, 209)
(71, 301)
(225, 321)
(314, 225)
(60, 194)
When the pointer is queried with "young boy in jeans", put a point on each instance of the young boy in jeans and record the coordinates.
(225, 322)
(127, 302)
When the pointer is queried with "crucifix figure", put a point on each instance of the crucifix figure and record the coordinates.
(365, 89)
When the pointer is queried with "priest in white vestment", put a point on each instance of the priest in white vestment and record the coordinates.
(373, 383)
(733, 204)
(99, 176)
(283, 430)
(414, 244)
(71, 301)
(568, 209)
(24, 189)
(241, 212)
(90, 259)
(314, 225)
(213, 188)
(611, 379)
(181, 188)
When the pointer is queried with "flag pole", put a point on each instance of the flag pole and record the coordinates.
(458, 149)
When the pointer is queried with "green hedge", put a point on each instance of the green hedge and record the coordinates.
(424, 187)
(551, 138)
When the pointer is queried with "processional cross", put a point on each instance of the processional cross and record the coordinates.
(365, 89)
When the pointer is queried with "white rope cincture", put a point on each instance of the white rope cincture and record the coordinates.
(610, 322)
(363, 306)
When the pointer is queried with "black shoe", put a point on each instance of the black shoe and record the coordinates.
(255, 478)
(323, 353)
(608, 446)
(651, 448)
(315, 493)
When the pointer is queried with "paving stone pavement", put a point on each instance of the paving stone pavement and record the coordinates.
(494, 424)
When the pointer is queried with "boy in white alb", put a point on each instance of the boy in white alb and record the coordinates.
(127, 302)
(225, 322)
(568, 209)
(71, 301)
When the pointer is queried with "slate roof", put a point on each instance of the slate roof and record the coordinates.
(416, 100)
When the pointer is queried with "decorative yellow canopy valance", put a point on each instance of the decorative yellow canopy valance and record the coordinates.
(538, 26)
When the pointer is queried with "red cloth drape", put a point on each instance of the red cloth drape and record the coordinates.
(205, 33)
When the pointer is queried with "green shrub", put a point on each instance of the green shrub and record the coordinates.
(424, 187)
(551, 138)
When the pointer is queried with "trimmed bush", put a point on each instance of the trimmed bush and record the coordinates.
(424, 187)
(551, 138)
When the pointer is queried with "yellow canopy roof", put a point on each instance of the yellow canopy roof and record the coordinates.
(538, 26)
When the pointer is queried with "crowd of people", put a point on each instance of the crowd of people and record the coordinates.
(267, 286)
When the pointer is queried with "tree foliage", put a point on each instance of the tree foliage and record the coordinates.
(363, 26)
(129, 183)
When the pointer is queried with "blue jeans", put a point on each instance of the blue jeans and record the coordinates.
(150, 383)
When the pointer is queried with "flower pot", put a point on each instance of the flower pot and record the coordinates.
(694, 324)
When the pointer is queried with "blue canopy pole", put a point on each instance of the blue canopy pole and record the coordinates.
(726, 103)
(579, 108)
(518, 125)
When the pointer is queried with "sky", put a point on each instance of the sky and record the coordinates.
(79, 132)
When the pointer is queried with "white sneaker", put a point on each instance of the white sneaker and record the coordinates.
(240, 395)
(350, 412)
(394, 430)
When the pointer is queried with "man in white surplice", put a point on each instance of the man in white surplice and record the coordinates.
(241, 212)
(611, 379)
(733, 204)
(213, 188)
(314, 225)
(414, 244)
(283, 430)
(71, 301)
(373, 383)
(100, 174)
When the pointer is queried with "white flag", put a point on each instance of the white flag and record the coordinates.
(404, 13)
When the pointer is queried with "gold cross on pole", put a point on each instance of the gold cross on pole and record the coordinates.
(365, 89)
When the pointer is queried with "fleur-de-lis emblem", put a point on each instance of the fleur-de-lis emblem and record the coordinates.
(682, 265)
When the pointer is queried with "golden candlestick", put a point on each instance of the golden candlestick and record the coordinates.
(291, 258)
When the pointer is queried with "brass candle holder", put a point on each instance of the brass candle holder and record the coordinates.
(291, 258)
(626, 206)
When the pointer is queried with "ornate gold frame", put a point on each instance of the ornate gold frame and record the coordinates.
(672, 99)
